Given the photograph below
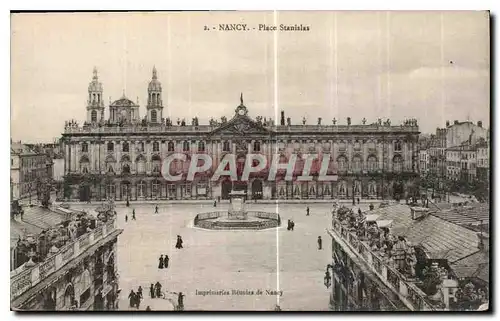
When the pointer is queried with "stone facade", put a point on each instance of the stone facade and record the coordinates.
(123, 161)
(73, 279)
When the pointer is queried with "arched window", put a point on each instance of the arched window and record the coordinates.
(171, 146)
(126, 169)
(342, 163)
(93, 116)
(356, 164)
(397, 163)
(153, 116)
(372, 163)
(125, 147)
(226, 147)
(201, 146)
(256, 146)
(156, 147)
(85, 148)
(141, 165)
(357, 145)
(185, 146)
(156, 162)
(111, 147)
(342, 146)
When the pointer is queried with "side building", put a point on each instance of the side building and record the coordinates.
(399, 258)
(30, 172)
(121, 158)
(63, 260)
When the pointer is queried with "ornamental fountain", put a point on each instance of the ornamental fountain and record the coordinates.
(237, 217)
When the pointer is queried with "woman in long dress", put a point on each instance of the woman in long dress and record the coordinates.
(160, 263)
(165, 261)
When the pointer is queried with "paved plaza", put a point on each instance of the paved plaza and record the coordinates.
(274, 259)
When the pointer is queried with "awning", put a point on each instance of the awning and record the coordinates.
(371, 217)
(384, 223)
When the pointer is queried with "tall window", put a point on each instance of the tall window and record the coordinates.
(141, 146)
(85, 148)
(397, 146)
(141, 189)
(185, 146)
(111, 147)
(225, 146)
(342, 163)
(156, 147)
(201, 146)
(356, 164)
(171, 146)
(125, 147)
(153, 116)
(372, 163)
(155, 188)
(141, 166)
(93, 116)
(256, 146)
(397, 163)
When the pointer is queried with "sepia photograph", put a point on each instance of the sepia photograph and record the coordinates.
(318, 161)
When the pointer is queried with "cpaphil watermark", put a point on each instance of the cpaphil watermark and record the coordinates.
(309, 166)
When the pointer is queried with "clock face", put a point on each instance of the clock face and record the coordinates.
(241, 112)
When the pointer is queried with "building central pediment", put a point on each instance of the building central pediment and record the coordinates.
(240, 125)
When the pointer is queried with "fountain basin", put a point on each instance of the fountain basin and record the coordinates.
(221, 220)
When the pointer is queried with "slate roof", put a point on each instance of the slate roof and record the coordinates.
(34, 220)
(439, 238)
(475, 265)
(466, 215)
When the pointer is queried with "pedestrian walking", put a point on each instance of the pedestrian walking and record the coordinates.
(320, 243)
(139, 292)
(215, 203)
(156, 209)
(160, 263)
(158, 289)
(289, 225)
(128, 203)
(358, 200)
(126, 218)
(152, 291)
(180, 301)
(178, 244)
(132, 298)
(165, 261)
(292, 225)
(307, 211)
(133, 215)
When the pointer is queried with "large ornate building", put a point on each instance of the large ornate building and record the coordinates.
(121, 157)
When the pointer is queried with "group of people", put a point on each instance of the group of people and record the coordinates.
(155, 290)
(135, 298)
(291, 225)
(163, 262)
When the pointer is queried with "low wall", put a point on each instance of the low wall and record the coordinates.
(207, 221)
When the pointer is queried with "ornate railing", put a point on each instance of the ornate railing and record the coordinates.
(275, 129)
(407, 291)
(23, 281)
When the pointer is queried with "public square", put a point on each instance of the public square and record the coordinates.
(274, 259)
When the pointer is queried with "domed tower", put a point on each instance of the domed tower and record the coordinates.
(155, 104)
(95, 104)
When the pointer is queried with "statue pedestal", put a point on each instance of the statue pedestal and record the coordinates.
(237, 209)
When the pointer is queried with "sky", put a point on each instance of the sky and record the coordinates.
(432, 66)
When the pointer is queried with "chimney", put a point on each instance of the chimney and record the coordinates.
(455, 122)
(447, 123)
(418, 212)
(480, 124)
(282, 121)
